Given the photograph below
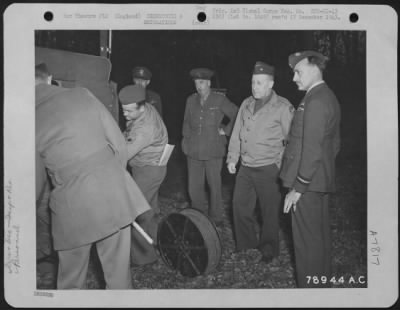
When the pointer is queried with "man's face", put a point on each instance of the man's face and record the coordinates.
(131, 111)
(261, 85)
(202, 86)
(141, 82)
(305, 74)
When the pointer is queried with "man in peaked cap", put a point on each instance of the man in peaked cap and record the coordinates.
(142, 77)
(146, 137)
(94, 200)
(204, 142)
(258, 139)
(308, 168)
(201, 74)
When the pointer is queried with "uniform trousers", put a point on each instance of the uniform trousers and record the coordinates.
(199, 171)
(148, 179)
(312, 239)
(113, 252)
(252, 183)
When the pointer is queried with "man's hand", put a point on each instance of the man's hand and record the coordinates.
(221, 132)
(232, 168)
(291, 199)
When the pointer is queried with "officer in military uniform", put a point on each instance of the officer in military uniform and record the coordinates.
(204, 141)
(258, 139)
(142, 77)
(308, 168)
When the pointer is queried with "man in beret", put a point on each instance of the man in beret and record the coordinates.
(204, 142)
(142, 77)
(94, 200)
(258, 139)
(308, 168)
(146, 137)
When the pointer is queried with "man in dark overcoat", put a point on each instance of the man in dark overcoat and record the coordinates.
(308, 169)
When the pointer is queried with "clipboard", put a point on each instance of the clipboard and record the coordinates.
(166, 154)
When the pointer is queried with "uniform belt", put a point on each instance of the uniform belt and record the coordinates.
(86, 165)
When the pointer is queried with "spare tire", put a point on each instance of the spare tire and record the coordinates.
(189, 242)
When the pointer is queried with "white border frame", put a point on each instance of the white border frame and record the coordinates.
(380, 23)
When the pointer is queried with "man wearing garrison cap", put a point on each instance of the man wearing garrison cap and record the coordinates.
(258, 139)
(146, 137)
(142, 77)
(308, 168)
(204, 142)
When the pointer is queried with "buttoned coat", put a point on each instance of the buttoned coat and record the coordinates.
(201, 139)
(93, 201)
(314, 141)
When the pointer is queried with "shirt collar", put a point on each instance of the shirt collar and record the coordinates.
(265, 100)
(271, 100)
(202, 100)
(315, 84)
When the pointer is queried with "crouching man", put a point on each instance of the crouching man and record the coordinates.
(146, 137)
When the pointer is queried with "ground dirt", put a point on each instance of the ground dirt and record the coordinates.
(244, 269)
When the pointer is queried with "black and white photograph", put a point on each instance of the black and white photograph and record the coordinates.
(166, 59)
(217, 161)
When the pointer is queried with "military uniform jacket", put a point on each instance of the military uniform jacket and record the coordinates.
(201, 139)
(258, 138)
(155, 100)
(314, 141)
(146, 138)
(85, 153)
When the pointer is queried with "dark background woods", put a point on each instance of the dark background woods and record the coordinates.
(171, 54)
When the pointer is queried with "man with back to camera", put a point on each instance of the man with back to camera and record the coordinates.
(308, 169)
(146, 137)
(142, 77)
(204, 142)
(94, 200)
(258, 138)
